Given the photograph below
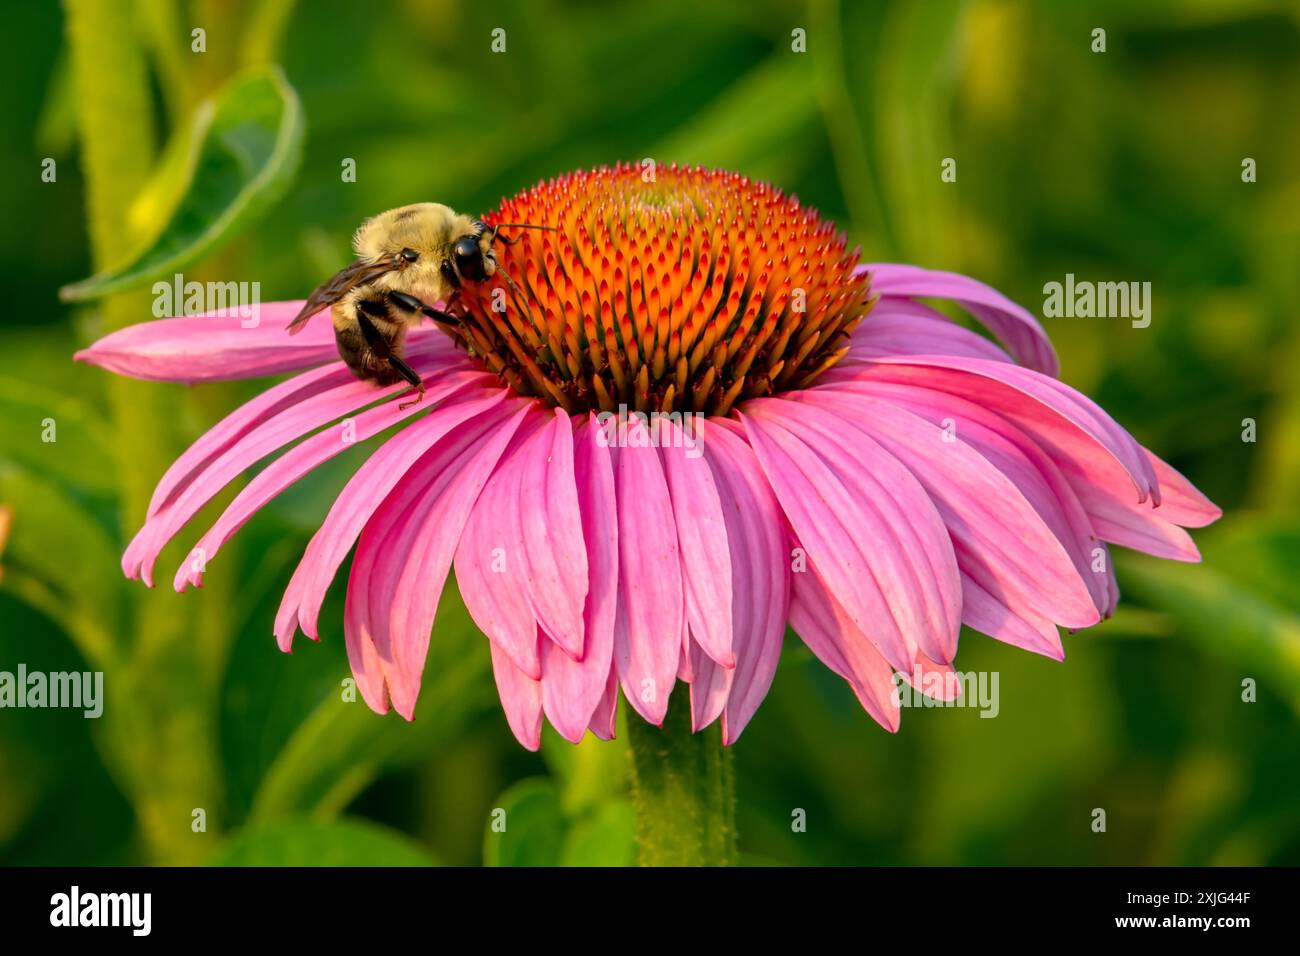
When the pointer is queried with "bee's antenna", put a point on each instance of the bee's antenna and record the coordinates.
(523, 225)
(496, 230)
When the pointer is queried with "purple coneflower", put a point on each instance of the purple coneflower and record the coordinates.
(866, 471)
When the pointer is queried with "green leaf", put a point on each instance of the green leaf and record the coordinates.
(311, 843)
(245, 147)
(534, 826)
(606, 838)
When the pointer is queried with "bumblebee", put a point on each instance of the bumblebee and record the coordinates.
(407, 259)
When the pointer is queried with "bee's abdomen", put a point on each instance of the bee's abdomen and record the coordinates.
(362, 357)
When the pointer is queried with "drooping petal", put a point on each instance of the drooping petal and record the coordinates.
(1021, 627)
(269, 435)
(1181, 503)
(403, 557)
(651, 607)
(489, 560)
(686, 659)
(308, 454)
(521, 698)
(552, 554)
(200, 455)
(572, 691)
(1000, 540)
(760, 563)
(870, 529)
(1018, 457)
(710, 686)
(460, 425)
(604, 721)
(701, 541)
(824, 625)
(1100, 460)
(936, 681)
(1020, 332)
(1080, 437)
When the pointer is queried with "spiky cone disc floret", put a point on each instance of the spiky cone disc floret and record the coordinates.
(689, 290)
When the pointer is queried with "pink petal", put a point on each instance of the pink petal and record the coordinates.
(1181, 503)
(490, 554)
(1016, 455)
(1154, 530)
(686, 659)
(702, 544)
(824, 625)
(870, 529)
(572, 691)
(214, 347)
(936, 681)
(311, 452)
(1080, 437)
(1119, 523)
(273, 433)
(1000, 540)
(651, 611)
(1020, 332)
(402, 561)
(760, 563)
(900, 326)
(370, 486)
(604, 721)
(521, 698)
(200, 455)
(552, 555)
(1097, 457)
(1022, 627)
(710, 686)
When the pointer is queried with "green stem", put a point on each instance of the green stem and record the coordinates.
(683, 790)
(160, 736)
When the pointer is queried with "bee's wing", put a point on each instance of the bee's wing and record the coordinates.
(337, 286)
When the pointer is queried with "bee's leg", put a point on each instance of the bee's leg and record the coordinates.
(379, 345)
(410, 304)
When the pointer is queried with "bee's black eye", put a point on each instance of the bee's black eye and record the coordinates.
(410, 255)
(469, 258)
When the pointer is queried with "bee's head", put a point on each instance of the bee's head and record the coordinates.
(429, 245)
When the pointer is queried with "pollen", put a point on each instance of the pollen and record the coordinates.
(668, 289)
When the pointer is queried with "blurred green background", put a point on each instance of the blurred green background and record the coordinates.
(1122, 165)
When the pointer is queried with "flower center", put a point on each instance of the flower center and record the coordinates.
(665, 290)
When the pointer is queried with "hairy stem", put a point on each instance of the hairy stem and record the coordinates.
(159, 735)
(683, 790)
